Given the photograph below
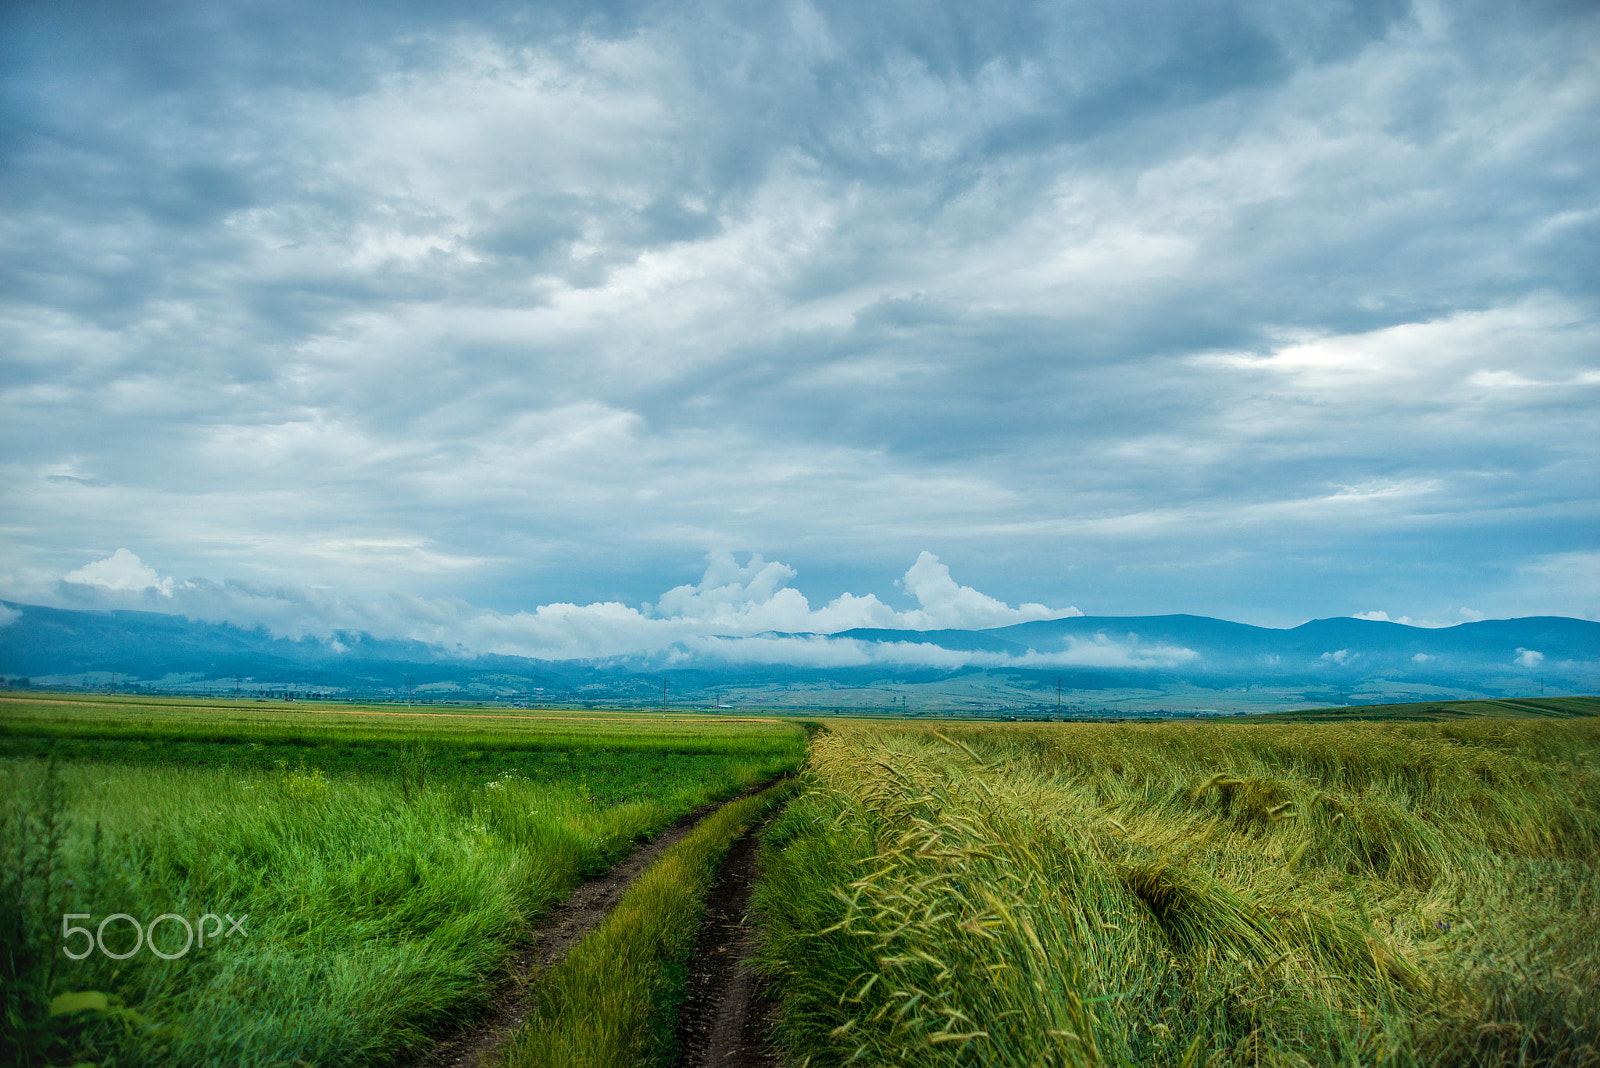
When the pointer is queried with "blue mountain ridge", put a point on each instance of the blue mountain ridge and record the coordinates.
(1491, 656)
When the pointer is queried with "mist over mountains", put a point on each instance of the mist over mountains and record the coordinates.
(1176, 662)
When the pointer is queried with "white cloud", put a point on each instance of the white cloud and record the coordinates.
(122, 570)
(946, 604)
(1501, 380)
(822, 651)
(722, 615)
(1406, 621)
(1423, 658)
(756, 597)
(8, 615)
(1529, 658)
(1338, 656)
(1456, 355)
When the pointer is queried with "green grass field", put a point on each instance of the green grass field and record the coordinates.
(389, 864)
(1186, 894)
(1397, 885)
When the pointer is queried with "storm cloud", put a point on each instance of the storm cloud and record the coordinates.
(1266, 311)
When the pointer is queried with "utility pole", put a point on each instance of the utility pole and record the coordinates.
(1058, 695)
(1541, 685)
(409, 679)
(663, 695)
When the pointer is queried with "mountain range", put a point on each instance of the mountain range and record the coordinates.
(1084, 663)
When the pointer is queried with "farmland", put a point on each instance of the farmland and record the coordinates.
(1188, 894)
(1398, 885)
(388, 864)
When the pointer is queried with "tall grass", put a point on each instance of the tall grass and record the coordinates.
(381, 908)
(1191, 894)
(611, 1002)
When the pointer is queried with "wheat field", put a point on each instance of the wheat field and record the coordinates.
(1191, 894)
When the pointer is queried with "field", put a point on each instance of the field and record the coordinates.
(1393, 885)
(1190, 894)
(388, 864)
(1444, 711)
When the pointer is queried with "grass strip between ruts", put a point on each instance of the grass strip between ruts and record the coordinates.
(614, 998)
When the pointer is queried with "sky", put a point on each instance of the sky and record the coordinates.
(558, 328)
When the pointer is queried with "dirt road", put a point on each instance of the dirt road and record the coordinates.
(566, 925)
(726, 1022)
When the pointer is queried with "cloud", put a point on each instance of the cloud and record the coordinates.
(1243, 309)
(754, 597)
(1406, 621)
(734, 601)
(758, 597)
(1529, 658)
(8, 615)
(122, 570)
(1338, 656)
(824, 652)
(946, 604)
(1423, 658)
(1382, 617)
(731, 613)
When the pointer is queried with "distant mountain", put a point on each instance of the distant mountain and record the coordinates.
(1338, 648)
(54, 646)
(1176, 661)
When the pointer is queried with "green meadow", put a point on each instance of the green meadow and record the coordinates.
(388, 864)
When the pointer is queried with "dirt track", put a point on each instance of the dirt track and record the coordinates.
(565, 927)
(725, 1022)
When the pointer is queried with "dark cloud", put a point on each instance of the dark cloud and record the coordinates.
(1271, 310)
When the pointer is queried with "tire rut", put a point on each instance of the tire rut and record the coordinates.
(726, 1020)
(565, 926)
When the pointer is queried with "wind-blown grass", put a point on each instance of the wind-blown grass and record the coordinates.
(1191, 894)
